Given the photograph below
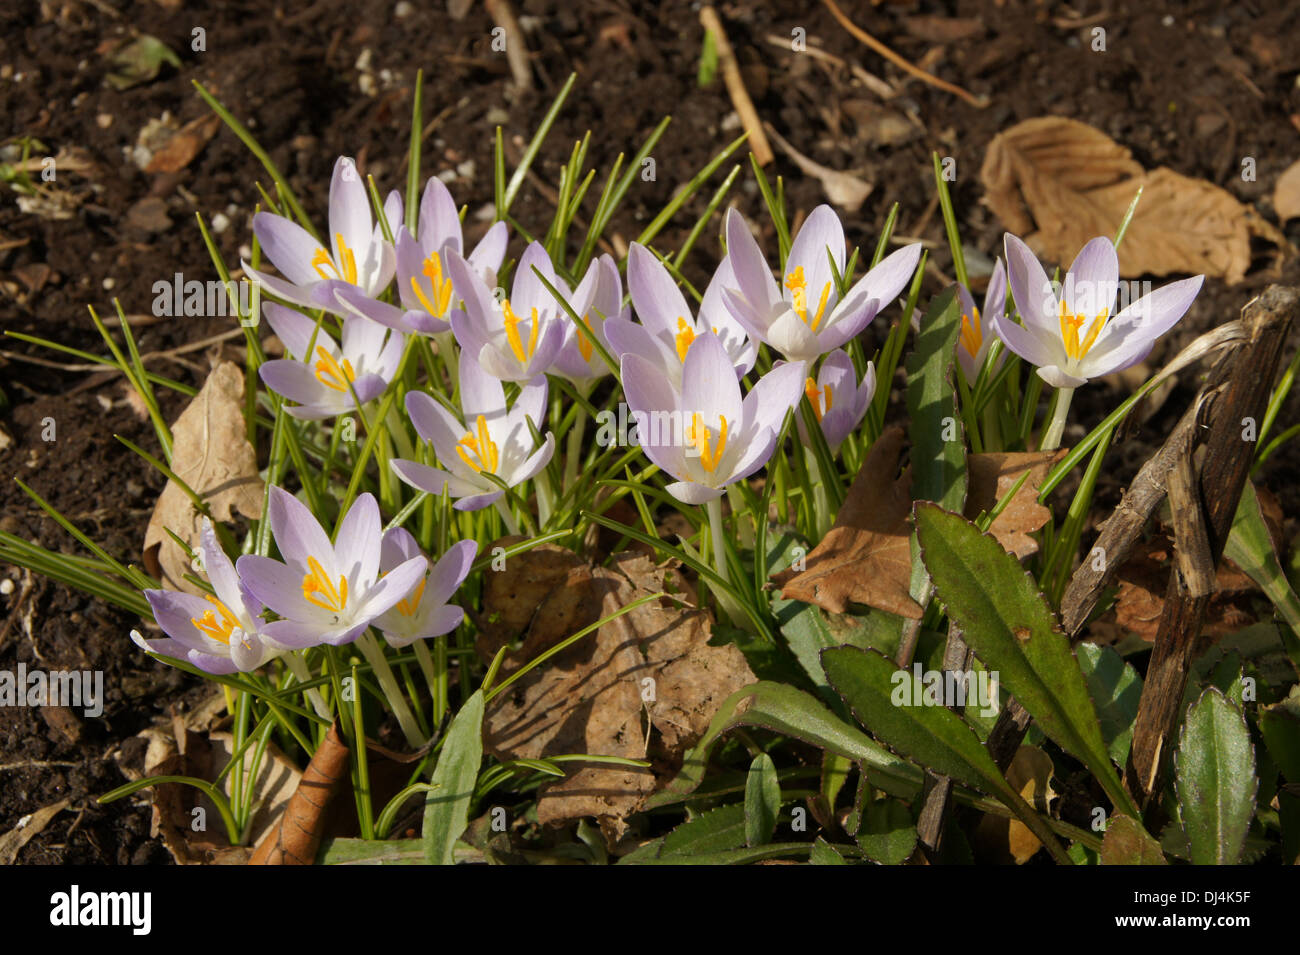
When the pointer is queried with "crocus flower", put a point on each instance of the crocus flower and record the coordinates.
(838, 400)
(517, 338)
(358, 255)
(326, 592)
(667, 325)
(490, 440)
(219, 633)
(720, 437)
(602, 289)
(804, 317)
(324, 380)
(977, 327)
(424, 612)
(424, 285)
(1073, 337)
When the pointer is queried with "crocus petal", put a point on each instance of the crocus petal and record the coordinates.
(392, 587)
(358, 543)
(534, 464)
(398, 545)
(289, 247)
(1148, 318)
(791, 336)
(1093, 279)
(753, 276)
(1037, 349)
(277, 586)
(349, 211)
(657, 300)
(1057, 377)
(297, 294)
(450, 571)
(820, 232)
(295, 330)
(491, 250)
(293, 380)
(688, 492)
(1035, 297)
(480, 393)
(773, 395)
(358, 304)
(434, 423)
(886, 281)
(297, 533)
(439, 222)
(709, 386)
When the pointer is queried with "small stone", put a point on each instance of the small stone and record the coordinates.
(109, 283)
(403, 10)
(496, 116)
(220, 223)
(466, 169)
(104, 120)
(6, 587)
(150, 215)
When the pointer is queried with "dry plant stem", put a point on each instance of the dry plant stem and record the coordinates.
(736, 87)
(516, 47)
(936, 795)
(1247, 377)
(865, 37)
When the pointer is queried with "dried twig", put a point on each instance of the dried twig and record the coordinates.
(516, 46)
(736, 87)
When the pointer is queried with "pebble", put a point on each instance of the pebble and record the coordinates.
(6, 586)
(220, 223)
(104, 120)
(466, 169)
(403, 10)
(109, 283)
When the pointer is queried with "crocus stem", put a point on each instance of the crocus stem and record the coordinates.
(397, 428)
(423, 657)
(298, 667)
(576, 434)
(370, 649)
(511, 524)
(1056, 427)
(714, 509)
(545, 496)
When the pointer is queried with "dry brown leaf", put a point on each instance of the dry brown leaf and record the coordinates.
(843, 189)
(866, 557)
(297, 835)
(992, 475)
(1058, 182)
(1010, 840)
(211, 454)
(651, 664)
(1286, 194)
(28, 827)
(188, 142)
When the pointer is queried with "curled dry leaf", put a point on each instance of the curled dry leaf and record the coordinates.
(1058, 183)
(992, 475)
(297, 833)
(866, 558)
(211, 454)
(652, 665)
(1286, 194)
(843, 189)
(179, 151)
(28, 827)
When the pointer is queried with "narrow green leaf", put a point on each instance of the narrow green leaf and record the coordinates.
(1116, 689)
(938, 453)
(446, 808)
(1215, 779)
(762, 801)
(1007, 622)
(1250, 547)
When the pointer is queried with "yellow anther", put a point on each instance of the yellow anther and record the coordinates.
(441, 286)
(585, 346)
(330, 373)
(798, 287)
(1070, 327)
(815, 395)
(319, 589)
(972, 336)
(512, 333)
(482, 447)
(685, 335)
(218, 630)
(323, 260)
(409, 605)
(710, 456)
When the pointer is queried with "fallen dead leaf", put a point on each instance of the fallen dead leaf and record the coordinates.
(297, 835)
(842, 189)
(866, 557)
(179, 151)
(28, 827)
(651, 669)
(1030, 774)
(1058, 182)
(992, 475)
(211, 454)
(1286, 194)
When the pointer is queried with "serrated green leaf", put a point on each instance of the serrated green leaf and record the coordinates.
(791, 712)
(1215, 780)
(823, 853)
(446, 808)
(1279, 724)
(762, 801)
(1116, 689)
(1127, 843)
(712, 831)
(1007, 622)
(887, 834)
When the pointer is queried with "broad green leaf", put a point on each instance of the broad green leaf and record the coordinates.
(370, 852)
(887, 833)
(1127, 843)
(1007, 622)
(878, 693)
(1215, 779)
(762, 801)
(1250, 547)
(1279, 724)
(1116, 689)
(791, 712)
(823, 853)
(712, 831)
(938, 454)
(446, 808)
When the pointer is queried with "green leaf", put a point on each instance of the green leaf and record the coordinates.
(762, 801)
(446, 808)
(790, 712)
(712, 831)
(887, 834)
(823, 853)
(1007, 622)
(739, 856)
(1250, 547)
(370, 852)
(1215, 779)
(938, 453)
(1127, 843)
(890, 702)
(139, 61)
(1279, 724)
(1116, 689)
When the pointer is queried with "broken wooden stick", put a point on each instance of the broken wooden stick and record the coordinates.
(758, 143)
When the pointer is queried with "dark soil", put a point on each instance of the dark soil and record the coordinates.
(1194, 86)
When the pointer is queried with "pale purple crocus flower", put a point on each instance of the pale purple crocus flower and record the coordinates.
(668, 326)
(977, 334)
(839, 401)
(602, 289)
(324, 379)
(326, 592)
(218, 633)
(424, 612)
(1072, 337)
(804, 317)
(715, 437)
(488, 440)
(424, 285)
(516, 338)
(358, 256)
